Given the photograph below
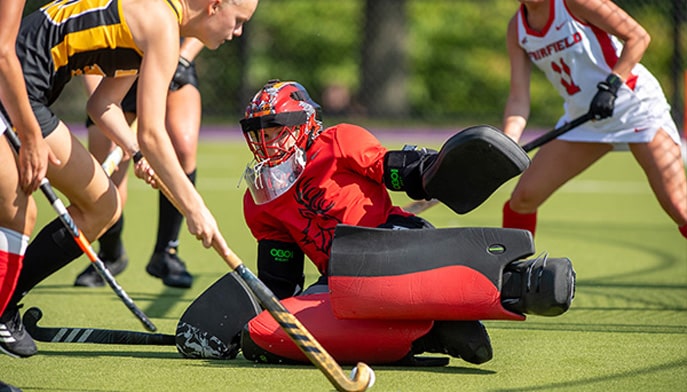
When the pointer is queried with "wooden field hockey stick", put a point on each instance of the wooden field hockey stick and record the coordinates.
(419, 206)
(82, 242)
(363, 375)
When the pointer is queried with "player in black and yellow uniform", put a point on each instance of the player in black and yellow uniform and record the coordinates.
(114, 39)
(184, 109)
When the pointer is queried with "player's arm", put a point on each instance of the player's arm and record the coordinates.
(160, 45)
(190, 48)
(362, 151)
(613, 20)
(35, 153)
(517, 109)
(104, 108)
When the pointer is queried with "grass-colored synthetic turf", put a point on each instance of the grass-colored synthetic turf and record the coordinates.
(626, 329)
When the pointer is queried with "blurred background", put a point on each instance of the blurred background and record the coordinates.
(399, 63)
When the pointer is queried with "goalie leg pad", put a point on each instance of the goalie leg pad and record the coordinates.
(211, 326)
(471, 165)
(543, 286)
(348, 341)
(432, 274)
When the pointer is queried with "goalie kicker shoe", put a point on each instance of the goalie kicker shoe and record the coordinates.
(90, 276)
(170, 268)
(14, 340)
(544, 286)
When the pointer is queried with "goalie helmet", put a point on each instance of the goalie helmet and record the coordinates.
(279, 124)
(288, 107)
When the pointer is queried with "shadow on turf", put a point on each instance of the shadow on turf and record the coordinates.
(587, 384)
(158, 305)
(172, 354)
(243, 363)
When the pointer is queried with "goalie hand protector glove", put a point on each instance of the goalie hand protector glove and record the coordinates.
(403, 170)
(603, 102)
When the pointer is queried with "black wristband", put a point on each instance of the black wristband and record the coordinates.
(614, 82)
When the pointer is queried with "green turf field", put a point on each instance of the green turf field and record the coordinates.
(626, 329)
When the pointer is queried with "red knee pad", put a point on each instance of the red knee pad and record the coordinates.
(348, 341)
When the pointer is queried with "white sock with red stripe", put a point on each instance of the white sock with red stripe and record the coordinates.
(12, 248)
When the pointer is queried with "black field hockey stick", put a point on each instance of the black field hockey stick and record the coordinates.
(363, 375)
(82, 242)
(90, 335)
(420, 206)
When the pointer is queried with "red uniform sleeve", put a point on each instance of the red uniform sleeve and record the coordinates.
(361, 151)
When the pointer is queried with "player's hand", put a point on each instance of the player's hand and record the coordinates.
(34, 157)
(203, 226)
(183, 75)
(143, 171)
(603, 102)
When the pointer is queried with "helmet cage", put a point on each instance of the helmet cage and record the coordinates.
(286, 105)
(277, 149)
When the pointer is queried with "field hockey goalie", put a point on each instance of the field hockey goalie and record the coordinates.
(389, 297)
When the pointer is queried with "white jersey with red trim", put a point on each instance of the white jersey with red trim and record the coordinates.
(575, 57)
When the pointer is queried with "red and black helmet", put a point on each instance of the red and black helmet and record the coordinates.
(286, 105)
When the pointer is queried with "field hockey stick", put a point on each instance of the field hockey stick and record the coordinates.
(419, 206)
(363, 375)
(90, 335)
(547, 137)
(112, 161)
(82, 242)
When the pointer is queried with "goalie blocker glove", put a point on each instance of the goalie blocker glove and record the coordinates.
(403, 170)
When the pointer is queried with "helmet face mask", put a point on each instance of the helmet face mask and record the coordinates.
(275, 144)
(279, 124)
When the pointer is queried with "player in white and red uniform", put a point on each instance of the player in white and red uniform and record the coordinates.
(577, 44)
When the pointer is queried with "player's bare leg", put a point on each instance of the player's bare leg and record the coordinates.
(662, 163)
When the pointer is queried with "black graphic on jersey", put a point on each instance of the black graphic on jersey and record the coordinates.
(319, 230)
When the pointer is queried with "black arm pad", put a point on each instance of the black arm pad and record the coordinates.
(280, 267)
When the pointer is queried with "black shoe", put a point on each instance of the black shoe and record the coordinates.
(8, 388)
(14, 340)
(468, 340)
(90, 276)
(170, 268)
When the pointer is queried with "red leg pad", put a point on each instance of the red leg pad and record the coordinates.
(454, 292)
(348, 341)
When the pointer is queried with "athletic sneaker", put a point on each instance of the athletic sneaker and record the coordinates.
(90, 276)
(8, 388)
(170, 268)
(14, 340)
(468, 340)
